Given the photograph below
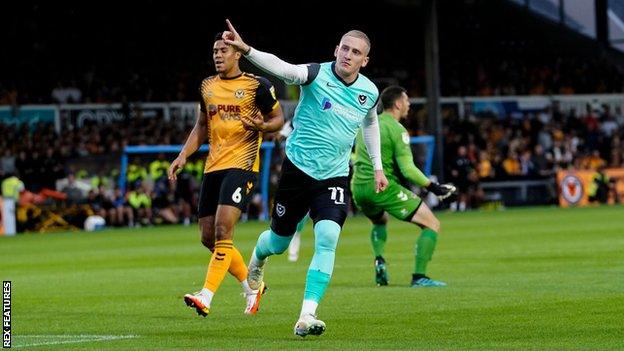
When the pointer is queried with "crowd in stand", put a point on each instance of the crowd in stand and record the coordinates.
(479, 149)
(83, 163)
(483, 77)
(564, 76)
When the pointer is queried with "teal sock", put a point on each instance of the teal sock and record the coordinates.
(270, 243)
(326, 234)
(316, 283)
(424, 249)
(379, 234)
(302, 223)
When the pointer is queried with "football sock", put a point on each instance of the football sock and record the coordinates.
(379, 234)
(219, 264)
(326, 233)
(269, 244)
(246, 288)
(309, 307)
(295, 244)
(206, 296)
(424, 249)
(302, 223)
(238, 268)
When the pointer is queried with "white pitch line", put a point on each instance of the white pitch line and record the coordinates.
(76, 339)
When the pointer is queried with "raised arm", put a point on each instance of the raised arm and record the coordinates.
(289, 73)
(370, 132)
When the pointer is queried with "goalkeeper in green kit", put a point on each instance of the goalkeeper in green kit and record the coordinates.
(396, 200)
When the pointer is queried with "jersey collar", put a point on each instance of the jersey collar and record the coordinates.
(230, 78)
(333, 69)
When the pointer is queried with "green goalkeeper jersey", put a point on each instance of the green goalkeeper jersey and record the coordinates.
(396, 155)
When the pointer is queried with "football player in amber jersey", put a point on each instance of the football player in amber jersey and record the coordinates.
(236, 108)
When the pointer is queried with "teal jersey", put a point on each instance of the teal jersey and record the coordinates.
(326, 121)
(396, 155)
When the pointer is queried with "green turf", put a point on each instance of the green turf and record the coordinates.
(526, 279)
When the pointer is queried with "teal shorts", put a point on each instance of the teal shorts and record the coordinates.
(397, 200)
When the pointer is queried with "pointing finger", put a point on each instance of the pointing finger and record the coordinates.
(231, 27)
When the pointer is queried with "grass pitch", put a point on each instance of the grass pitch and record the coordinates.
(525, 279)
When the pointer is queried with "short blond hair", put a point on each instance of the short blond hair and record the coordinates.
(358, 34)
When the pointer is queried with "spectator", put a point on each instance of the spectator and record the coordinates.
(75, 193)
(511, 165)
(7, 162)
(543, 166)
(527, 168)
(484, 167)
(461, 167)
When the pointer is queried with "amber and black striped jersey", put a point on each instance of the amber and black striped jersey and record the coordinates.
(225, 100)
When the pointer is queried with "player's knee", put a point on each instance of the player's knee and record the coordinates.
(435, 225)
(327, 233)
(277, 244)
(280, 244)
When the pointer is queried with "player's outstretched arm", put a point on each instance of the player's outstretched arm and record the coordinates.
(408, 169)
(193, 142)
(405, 162)
(289, 73)
(370, 132)
(402, 154)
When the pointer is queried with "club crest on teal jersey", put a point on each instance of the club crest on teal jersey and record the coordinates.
(362, 99)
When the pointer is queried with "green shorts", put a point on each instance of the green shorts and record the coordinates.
(397, 200)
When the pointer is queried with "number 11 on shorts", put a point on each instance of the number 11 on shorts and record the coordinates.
(337, 194)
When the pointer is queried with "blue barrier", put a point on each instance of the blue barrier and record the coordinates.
(265, 172)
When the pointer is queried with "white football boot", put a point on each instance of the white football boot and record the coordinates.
(308, 324)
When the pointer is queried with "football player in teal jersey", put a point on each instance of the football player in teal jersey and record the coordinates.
(336, 100)
(397, 200)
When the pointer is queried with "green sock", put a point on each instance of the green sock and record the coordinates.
(424, 249)
(378, 238)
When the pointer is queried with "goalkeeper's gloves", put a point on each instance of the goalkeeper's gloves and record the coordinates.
(442, 191)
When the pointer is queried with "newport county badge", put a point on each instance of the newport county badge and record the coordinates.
(239, 93)
(572, 189)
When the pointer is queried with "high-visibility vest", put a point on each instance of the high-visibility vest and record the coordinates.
(11, 187)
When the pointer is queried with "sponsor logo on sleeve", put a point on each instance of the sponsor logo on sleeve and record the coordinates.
(406, 138)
